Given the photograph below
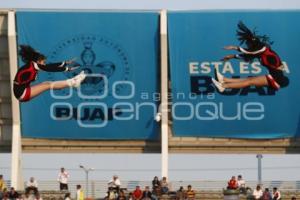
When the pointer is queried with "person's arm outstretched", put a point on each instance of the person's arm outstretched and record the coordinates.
(56, 67)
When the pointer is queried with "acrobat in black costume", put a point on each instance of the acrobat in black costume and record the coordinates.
(258, 47)
(35, 61)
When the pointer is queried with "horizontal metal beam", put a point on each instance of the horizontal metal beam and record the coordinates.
(180, 145)
(76, 146)
(235, 150)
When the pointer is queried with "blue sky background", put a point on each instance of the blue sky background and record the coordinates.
(145, 166)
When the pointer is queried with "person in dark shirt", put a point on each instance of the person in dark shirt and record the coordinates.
(121, 195)
(147, 195)
(266, 195)
(156, 186)
(180, 194)
(13, 194)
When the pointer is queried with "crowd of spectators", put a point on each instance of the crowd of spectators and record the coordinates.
(237, 184)
(31, 188)
(159, 188)
(259, 194)
(116, 192)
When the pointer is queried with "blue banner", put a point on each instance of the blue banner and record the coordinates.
(263, 45)
(118, 51)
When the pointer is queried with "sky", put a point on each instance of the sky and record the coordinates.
(145, 166)
(151, 4)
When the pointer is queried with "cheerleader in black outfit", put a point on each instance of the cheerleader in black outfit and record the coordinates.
(258, 47)
(34, 62)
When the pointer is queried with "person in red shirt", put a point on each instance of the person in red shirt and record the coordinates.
(137, 193)
(276, 194)
(232, 184)
(258, 47)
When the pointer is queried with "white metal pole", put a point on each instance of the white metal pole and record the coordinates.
(16, 169)
(259, 168)
(164, 94)
(87, 182)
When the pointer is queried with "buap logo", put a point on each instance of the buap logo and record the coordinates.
(95, 55)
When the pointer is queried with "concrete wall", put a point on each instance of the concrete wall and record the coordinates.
(5, 94)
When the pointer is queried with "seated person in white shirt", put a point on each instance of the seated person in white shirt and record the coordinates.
(257, 193)
(31, 185)
(241, 184)
(115, 183)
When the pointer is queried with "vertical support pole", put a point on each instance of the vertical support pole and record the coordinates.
(164, 94)
(93, 189)
(259, 168)
(87, 183)
(16, 167)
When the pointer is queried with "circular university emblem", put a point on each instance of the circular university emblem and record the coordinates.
(99, 57)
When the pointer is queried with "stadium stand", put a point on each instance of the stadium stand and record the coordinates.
(205, 190)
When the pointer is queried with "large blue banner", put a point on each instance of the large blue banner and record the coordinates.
(118, 51)
(253, 58)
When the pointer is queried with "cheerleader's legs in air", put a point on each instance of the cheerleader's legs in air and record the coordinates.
(235, 83)
(56, 85)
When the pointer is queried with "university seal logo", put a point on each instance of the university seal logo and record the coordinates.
(95, 55)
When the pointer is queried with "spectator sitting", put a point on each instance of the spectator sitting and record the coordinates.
(164, 185)
(276, 194)
(31, 185)
(121, 195)
(137, 193)
(266, 195)
(241, 184)
(155, 185)
(67, 196)
(38, 197)
(20, 197)
(13, 194)
(130, 196)
(190, 194)
(257, 193)
(79, 193)
(293, 198)
(5, 195)
(232, 184)
(28, 197)
(63, 179)
(112, 194)
(2, 186)
(115, 183)
(147, 195)
(180, 194)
